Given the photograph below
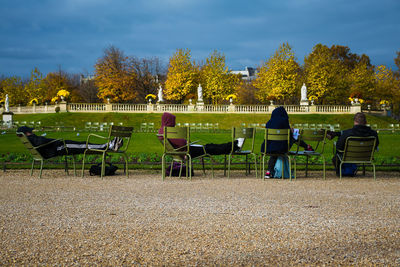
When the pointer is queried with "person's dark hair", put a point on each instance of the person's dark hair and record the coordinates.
(360, 118)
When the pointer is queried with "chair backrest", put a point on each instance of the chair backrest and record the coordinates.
(123, 132)
(175, 133)
(359, 149)
(34, 152)
(246, 133)
(318, 136)
(276, 135)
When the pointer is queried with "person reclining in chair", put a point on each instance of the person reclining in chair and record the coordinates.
(360, 129)
(195, 150)
(58, 149)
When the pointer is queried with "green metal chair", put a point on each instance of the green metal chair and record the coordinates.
(114, 131)
(276, 135)
(180, 154)
(245, 150)
(37, 156)
(150, 127)
(358, 150)
(143, 127)
(318, 137)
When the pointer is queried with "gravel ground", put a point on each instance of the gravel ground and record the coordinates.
(61, 220)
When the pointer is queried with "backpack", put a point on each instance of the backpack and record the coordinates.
(176, 168)
(278, 167)
(349, 169)
(96, 169)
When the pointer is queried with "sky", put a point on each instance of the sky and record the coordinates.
(72, 34)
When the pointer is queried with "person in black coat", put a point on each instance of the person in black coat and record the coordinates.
(58, 148)
(279, 120)
(360, 129)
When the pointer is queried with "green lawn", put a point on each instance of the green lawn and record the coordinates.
(147, 144)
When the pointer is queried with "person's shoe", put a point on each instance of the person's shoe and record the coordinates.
(112, 143)
(309, 148)
(267, 175)
(119, 143)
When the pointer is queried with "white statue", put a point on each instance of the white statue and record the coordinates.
(304, 93)
(7, 104)
(160, 94)
(199, 93)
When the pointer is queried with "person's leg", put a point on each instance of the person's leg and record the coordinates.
(271, 165)
(196, 150)
(77, 147)
(221, 149)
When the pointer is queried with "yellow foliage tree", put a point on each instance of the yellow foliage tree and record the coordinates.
(279, 76)
(326, 76)
(14, 88)
(54, 82)
(216, 80)
(362, 81)
(35, 87)
(115, 77)
(387, 86)
(182, 77)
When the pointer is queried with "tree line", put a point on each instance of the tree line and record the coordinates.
(333, 75)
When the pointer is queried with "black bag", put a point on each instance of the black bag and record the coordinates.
(109, 170)
(176, 166)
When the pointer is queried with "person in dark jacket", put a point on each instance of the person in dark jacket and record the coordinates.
(57, 148)
(360, 129)
(195, 150)
(279, 120)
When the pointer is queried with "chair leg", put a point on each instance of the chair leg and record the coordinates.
(33, 164)
(41, 168)
(290, 168)
(340, 170)
(189, 158)
(126, 165)
(103, 165)
(373, 168)
(163, 166)
(306, 165)
(83, 164)
(225, 166)
(229, 165)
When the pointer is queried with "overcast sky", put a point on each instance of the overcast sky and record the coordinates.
(72, 34)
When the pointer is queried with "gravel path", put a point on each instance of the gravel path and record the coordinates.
(61, 220)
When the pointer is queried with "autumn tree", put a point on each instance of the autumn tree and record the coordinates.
(325, 76)
(54, 82)
(182, 76)
(386, 85)
(14, 88)
(149, 75)
(216, 80)
(35, 87)
(115, 76)
(362, 81)
(278, 76)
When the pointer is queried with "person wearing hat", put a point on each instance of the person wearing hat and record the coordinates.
(59, 149)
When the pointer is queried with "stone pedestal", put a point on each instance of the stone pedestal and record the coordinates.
(304, 103)
(63, 106)
(8, 119)
(231, 108)
(355, 108)
(191, 107)
(109, 107)
(200, 106)
(312, 109)
(150, 107)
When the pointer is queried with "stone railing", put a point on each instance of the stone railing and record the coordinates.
(181, 108)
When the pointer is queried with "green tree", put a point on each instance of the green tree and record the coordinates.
(387, 86)
(216, 80)
(279, 76)
(182, 76)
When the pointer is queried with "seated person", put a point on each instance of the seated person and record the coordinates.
(279, 120)
(71, 147)
(359, 129)
(195, 150)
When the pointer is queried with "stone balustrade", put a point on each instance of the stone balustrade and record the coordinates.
(181, 108)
